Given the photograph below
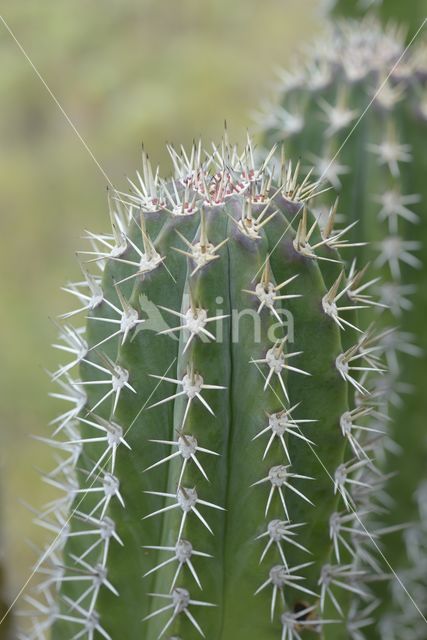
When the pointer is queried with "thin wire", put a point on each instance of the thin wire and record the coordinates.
(64, 113)
(55, 99)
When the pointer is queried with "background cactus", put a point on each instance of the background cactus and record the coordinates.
(411, 14)
(357, 110)
(236, 458)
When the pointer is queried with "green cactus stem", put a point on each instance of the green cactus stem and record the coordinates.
(213, 447)
(357, 110)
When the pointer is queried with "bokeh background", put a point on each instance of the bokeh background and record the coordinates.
(125, 71)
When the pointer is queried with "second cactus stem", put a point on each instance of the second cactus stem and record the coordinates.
(357, 110)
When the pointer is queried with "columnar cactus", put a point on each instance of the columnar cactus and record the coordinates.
(361, 122)
(411, 13)
(217, 460)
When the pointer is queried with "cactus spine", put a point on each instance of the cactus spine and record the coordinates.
(362, 79)
(216, 443)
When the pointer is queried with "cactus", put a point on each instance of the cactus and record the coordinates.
(216, 456)
(412, 13)
(362, 123)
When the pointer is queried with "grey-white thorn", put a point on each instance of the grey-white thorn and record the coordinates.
(359, 618)
(396, 297)
(278, 532)
(110, 488)
(279, 477)
(202, 252)
(393, 250)
(192, 384)
(357, 289)
(351, 430)
(268, 293)
(118, 381)
(71, 392)
(390, 152)
(281, 576)
(180, 601)
(342, 526)
(338, 116)
(330, 238)
(90, 300)
(112, 439)
(114, 244)
(148, 258)
(147, 192)
(43, 613)
(280, 426)
(74, 343)
(341, 576)
(329, 169)
(182, 553)
(96, 576)
(127, 321)
(102, 529)
(364, 352)
(193, 322)
(178, 203)
(187, 448)
(277, 361)
(342, 480)
(187, 500)
(394, 206)
(331, 299)
(90, 622)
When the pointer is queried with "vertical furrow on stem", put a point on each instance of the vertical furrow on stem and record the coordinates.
(246, 612)
(192, 532)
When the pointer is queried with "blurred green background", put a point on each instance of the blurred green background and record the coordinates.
(125, 71)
